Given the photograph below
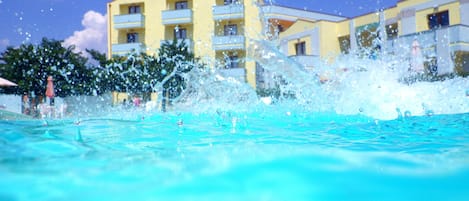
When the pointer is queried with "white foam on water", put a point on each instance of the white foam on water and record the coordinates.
(355, 85)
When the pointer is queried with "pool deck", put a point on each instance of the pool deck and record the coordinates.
(7, 115)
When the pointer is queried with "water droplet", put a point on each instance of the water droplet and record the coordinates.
(407, 113)
(78, 136)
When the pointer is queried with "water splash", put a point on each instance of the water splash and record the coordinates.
(354, 85)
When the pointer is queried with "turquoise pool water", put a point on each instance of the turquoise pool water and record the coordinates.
(270, 155)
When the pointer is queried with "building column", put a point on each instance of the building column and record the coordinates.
(408, 24)
(444, 60)
(315, 42)
(382, 31)
(464, 11)
(353, 36)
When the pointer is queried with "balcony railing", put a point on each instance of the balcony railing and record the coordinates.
(455, 35)
(227, 12)
(236, 73)
(439, 43)
(188, 42)
(183, 16)
(129, 21)
(125, 48)
(235, 42)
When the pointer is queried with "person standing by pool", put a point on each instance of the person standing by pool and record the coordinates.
(136, 101)
(416, 64)
(50, 90)
(26, 107)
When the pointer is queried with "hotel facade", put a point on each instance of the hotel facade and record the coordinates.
(219, 32)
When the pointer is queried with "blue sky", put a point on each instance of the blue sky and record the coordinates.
(80, 22)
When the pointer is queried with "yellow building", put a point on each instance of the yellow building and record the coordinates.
(217, 31)
(439, 27)
(211, 29)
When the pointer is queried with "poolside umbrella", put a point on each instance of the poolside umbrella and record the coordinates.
(6, 83)
(50, 89)
(417, 58)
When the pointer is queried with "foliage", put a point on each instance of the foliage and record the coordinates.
(98, 56)
(175, 60)
(134, 73)
(141, 73)
(29, 66)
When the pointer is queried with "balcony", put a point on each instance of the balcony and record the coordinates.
(228, 12)
(232, 42)
(236, 73)
(439, 43)
(173, 17)
(188, 42)
(125, 48)
(129, 21)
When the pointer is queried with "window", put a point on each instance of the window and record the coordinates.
(437, 20)
(368, 36)
(344, 42)
(392, 30)
(134, 9)
(231, 30)
(132, 38)
(228, 2)
(232, 62)
(180, 33)
(181, 5)
(300, 48)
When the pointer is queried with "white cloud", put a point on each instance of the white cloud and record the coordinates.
(4, 43)
(93, 36)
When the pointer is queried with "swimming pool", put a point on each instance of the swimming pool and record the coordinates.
(271, 154)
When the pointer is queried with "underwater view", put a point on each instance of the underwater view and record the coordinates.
(281, 102)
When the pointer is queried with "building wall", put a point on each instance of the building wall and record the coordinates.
(153, 26)
(411, 17)
(329, 33)
(254, 31)
(321, 35)
(204, 27)
(422, 15)
(366, 19)
(201, 30)
(301, 31)
(343, 28)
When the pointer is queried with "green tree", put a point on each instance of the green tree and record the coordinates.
(175, 59)
(134, 73)
(29, 66)
(98, 56)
